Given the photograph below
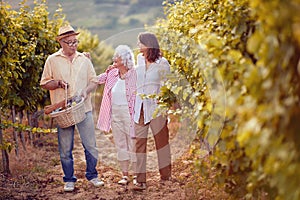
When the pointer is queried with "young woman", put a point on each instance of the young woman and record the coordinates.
(151, 71)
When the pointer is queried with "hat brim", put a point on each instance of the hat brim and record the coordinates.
(66, 35)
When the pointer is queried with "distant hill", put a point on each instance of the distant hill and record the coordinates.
(106, 17)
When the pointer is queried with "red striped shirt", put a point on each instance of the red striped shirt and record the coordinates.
(110, 78)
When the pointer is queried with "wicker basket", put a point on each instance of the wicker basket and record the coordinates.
(70, 116)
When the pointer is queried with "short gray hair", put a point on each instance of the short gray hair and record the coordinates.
(126, 54)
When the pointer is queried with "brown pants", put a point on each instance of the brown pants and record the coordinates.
(161, 137)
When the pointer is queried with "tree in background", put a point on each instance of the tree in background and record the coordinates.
(101, 54)
(27, 38)
(252, 48)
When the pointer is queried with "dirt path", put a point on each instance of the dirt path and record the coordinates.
(37, 174)
(109, 171)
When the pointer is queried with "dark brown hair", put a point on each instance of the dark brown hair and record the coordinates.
(150, 41)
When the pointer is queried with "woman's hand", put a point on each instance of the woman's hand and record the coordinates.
(110, 67)
(88, 55)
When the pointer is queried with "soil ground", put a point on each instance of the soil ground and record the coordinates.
(36, 174)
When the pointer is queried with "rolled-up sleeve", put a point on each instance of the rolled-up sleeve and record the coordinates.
(92, 77)
(101, 78)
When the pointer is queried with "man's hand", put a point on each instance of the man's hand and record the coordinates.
(92, 86)
(83, 93)
(62, 84)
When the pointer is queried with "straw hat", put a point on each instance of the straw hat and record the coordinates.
(65, 31)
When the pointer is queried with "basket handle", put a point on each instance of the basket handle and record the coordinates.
(48, 109)
(66, 93)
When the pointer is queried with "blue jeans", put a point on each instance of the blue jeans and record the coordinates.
(66, 142)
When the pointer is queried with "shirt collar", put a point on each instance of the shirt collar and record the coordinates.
(59, 53)
(158, 60)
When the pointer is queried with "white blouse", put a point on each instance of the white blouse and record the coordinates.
(149, 82)
(118, 93)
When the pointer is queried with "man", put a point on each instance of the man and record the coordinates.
(71, 70)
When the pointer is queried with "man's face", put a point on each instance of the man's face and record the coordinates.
(69, 44)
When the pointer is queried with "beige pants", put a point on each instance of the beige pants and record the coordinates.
(161, 137)
(125, 145)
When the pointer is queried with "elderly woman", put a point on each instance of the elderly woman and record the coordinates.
(117, 107)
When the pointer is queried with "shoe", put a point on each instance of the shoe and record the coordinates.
(69, 186)
(167, 181)
(96, 182)
(123, 181)
(139, 186)
(134, 181)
